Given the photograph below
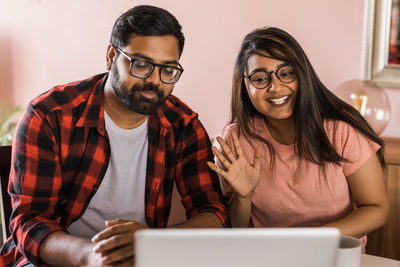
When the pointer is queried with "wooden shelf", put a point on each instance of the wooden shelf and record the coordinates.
(385, 241)
(392, 150)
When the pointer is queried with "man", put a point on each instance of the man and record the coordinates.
(95, 160)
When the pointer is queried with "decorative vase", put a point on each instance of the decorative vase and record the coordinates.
(370, 100)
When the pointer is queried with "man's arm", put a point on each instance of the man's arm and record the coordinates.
(62, 249)
(35, 179)
(199, 186)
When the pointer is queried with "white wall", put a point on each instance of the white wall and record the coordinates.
(47, 42)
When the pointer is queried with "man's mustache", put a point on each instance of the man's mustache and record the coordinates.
(146, 87)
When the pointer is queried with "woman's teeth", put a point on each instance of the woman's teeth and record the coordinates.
(278, 101)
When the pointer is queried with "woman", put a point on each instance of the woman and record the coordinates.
(294, 154)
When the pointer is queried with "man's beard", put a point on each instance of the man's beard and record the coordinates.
(132, 99)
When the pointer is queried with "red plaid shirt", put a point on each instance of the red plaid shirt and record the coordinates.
(61, 153)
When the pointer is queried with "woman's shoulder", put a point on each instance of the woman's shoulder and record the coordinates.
(338, 128)
(228, 129)
(256, 123)
(231, 127)
(343, 135)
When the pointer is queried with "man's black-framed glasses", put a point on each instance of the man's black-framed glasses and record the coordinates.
(142, 68)
(261, 79)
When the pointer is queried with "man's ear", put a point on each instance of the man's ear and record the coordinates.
(110, 56)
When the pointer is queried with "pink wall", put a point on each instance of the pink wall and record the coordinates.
(6, 64)
(44, 43)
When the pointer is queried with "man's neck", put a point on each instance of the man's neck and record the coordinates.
(119, 113)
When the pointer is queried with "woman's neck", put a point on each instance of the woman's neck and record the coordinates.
(281, 130)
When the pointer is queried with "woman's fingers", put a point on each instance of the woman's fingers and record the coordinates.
(235, 168)
(257, 158)
(228, 177)
(225, 148)
(217, 169)
(221, 157)
(237, 145)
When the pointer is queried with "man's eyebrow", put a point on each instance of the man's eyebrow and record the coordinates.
(140, 55)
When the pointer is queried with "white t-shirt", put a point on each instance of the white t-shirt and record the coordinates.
(121, 193)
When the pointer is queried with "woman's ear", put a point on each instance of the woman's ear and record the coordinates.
(110, 56)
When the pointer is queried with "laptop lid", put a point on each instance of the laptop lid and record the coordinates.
(276, 247)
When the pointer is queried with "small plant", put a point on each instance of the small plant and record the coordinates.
(9, 116)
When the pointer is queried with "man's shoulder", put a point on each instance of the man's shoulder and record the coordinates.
(175, 103)
(66, 96)
(175, 110)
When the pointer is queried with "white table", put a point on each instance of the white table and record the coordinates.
(374, 261)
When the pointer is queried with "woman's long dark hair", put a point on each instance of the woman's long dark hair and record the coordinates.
(314, 103)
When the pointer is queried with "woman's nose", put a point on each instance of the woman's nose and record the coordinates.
(275, 83)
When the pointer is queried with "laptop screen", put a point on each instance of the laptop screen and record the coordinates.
(276, 247)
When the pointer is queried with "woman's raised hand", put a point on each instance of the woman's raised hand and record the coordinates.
(240, 174)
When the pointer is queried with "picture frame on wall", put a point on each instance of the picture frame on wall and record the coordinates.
(381, 23)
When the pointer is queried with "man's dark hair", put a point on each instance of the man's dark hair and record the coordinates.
(146, 20)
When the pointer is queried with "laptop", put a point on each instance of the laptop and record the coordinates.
(253, 247)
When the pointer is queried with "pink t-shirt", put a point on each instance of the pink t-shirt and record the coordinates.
(295, 193)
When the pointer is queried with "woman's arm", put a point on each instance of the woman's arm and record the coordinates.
(369, 193)
(240, 210)
(241, 175)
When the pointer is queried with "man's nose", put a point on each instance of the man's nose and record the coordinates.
(154, 76)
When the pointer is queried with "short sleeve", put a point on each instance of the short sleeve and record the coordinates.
(353, 146)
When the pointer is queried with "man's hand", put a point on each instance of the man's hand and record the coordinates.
(116, 242)
(93, 259)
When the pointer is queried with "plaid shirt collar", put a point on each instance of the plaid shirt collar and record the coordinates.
(93, 114)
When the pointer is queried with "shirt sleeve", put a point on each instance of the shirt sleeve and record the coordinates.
(198, 185)
(35, 180)
(353, 146)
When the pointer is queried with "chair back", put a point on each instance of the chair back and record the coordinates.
(5, 164)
